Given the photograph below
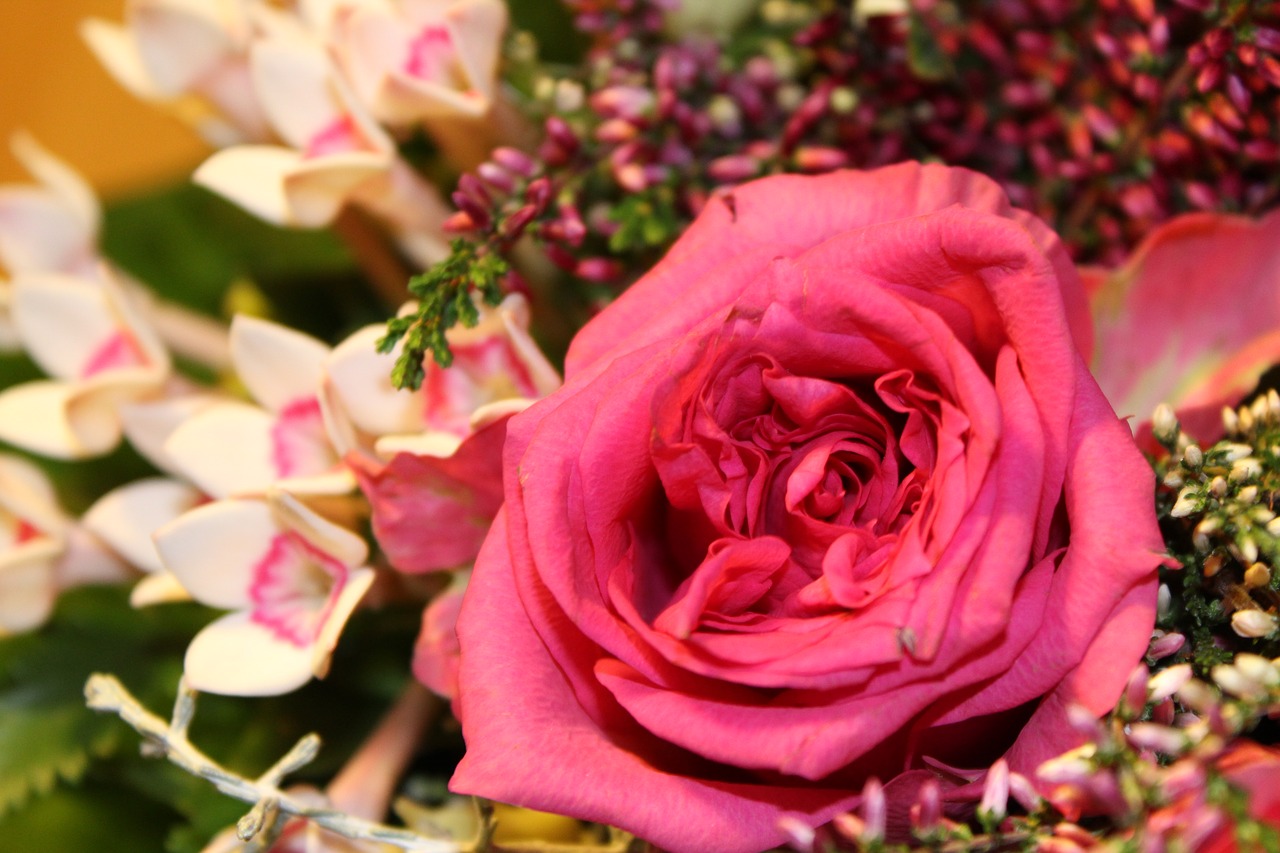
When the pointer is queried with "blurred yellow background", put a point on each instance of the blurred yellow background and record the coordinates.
(54, 88)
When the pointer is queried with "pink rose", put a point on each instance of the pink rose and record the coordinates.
(829, 494)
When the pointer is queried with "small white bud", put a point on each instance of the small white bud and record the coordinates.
(1235, 682)
(1189, 500)
(1257, 669)
(1194, 456)
(1230, 421)
(1167, 682)
(1248, 495)
(1164, 423)
(1253, 623)
(1164, 601)
(1232, 452)
(1246, 469)
(1217, 487)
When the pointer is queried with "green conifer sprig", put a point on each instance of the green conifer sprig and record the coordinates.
(447, 296)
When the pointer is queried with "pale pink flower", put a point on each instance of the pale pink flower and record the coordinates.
(429, 462)
(291, 577)
(334, 154)
(169, 50)
(412, 60)
(231, 448)
(89, 336)
(42, 551)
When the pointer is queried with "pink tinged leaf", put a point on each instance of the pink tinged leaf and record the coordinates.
(436, 654)
(432, 512)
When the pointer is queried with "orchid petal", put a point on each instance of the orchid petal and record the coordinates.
(28, 587)
(126, 517)
(237, 449)
(61, 180)
(317, 189)
(214, 550)
(34, 416)
(277, 364)
(116, 49)
(148, 425)
(236, 656)
(158, 588)
(252, 176)
(358, 583)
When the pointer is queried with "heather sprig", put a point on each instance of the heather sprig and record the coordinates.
(1217, 506)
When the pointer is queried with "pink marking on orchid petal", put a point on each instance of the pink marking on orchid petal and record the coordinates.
(299, 443)
(25, 531)
(118, 351)
(431, 55)
(481, 373)
(339, 136)
(294, 588)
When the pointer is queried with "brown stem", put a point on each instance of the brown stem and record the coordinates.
(381, 264)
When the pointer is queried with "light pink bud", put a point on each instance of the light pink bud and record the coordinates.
(515, 160)
(800, 836)
(849, 826)
(1158, 738)
(496, 176)
(1163, 647)
(816, 158)
(874, 809)
(928, 808)
(1169, 681)
(995, 791)
(1182, 778)
(1135, 691)
(459, 223)
(733, 168)
(1024, 792)
(598, 269)
(622, 101)
(616, 130)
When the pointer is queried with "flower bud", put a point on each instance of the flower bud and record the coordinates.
(1253, 623)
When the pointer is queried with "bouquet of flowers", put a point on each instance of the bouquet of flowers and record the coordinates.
(707, 426)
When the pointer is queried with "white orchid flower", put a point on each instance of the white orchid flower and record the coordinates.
(497, 370)
(335, 154)
(232, 449)
(413, 60)
(48, 227)
(292, 578)
(89, 337)
(171, 49)
(42, 551)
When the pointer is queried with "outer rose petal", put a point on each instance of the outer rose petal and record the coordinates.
(1192, 319)
(727, 245)
(432, 512)
(530, 742)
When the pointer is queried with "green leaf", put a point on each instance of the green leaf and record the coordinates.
(103, 819)
(925, 56)
(48, 734)
(445, 298)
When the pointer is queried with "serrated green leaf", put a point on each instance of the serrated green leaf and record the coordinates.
(45, 739)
